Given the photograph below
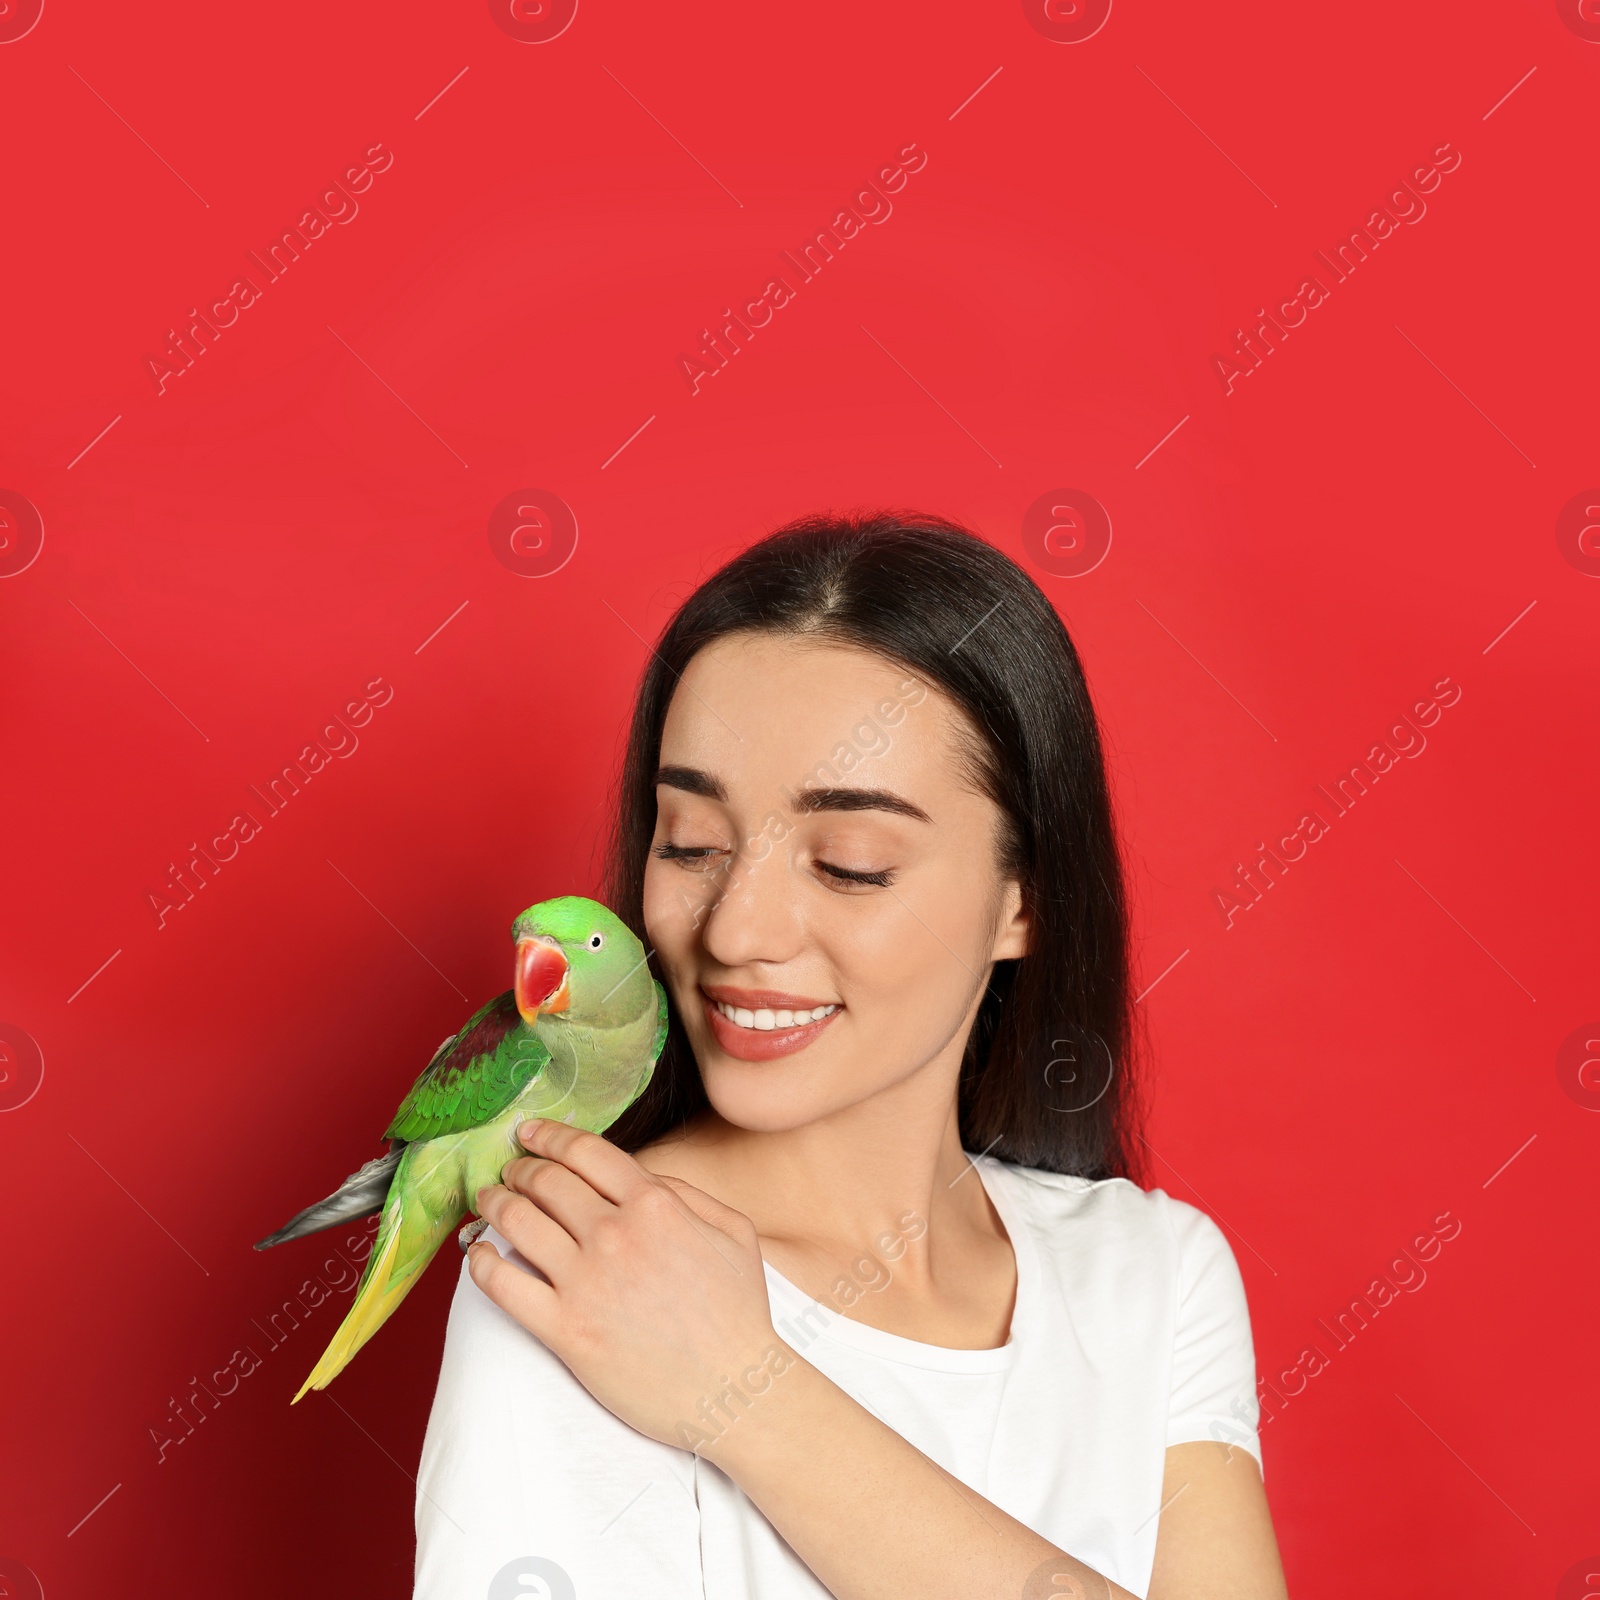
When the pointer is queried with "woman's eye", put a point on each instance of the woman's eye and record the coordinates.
(695, 857)
(852, 875)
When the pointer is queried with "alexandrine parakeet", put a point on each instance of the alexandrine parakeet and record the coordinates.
(575, 1039)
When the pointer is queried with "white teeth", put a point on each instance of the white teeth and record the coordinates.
(764, 1020)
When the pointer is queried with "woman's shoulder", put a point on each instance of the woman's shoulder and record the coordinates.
(1110, 1214)
(1163, 1265)
(518, 1455)
(494, 1367)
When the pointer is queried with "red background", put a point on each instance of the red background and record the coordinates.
(301, 511)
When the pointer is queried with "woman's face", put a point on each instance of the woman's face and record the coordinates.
(819, 849)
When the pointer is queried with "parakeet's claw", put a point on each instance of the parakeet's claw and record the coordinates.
(469, 1234)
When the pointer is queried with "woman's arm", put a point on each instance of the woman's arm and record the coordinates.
(872, 1516)
(1215, 1539)
(656, 1298)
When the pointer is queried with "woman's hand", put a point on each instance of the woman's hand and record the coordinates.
(656, 1296)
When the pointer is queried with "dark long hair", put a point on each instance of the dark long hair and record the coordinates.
(1048, 1079)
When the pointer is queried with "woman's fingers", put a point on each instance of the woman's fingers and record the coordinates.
(528, 1299)
(537, 1236)
(558, 1192)
(734, 1224)
(606, 1169)
(583, 1181)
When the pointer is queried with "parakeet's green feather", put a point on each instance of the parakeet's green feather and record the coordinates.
(488, 1064)
(661, 1025)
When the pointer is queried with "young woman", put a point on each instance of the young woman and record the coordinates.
(779, 1334)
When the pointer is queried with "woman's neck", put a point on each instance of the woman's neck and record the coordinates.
(879, 1194)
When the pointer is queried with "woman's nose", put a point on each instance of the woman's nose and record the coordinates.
(753, 917)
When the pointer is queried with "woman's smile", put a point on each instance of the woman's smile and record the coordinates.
(760, 1024)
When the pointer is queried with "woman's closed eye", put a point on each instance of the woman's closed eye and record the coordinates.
(851, 876)
(707, 857)
(694, 857)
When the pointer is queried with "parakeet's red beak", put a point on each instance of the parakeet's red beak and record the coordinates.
(541, 981)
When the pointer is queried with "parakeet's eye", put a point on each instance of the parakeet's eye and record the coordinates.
(596, 940)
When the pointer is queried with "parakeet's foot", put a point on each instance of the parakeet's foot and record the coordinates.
(469, 1234)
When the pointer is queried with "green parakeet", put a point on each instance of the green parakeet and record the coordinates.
(575, 1039)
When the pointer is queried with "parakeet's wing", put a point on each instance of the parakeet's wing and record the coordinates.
(474, 1076)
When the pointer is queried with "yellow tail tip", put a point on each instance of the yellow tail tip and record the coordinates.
(376, 1297)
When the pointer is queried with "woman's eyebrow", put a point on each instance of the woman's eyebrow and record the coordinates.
(692, 781)
(810, 800)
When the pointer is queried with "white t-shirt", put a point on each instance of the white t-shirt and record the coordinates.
(1130, 1333)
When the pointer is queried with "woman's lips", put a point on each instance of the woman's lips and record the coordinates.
(760, 1044)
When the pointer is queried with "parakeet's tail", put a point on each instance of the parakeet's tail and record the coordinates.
(406, 1241)
(359, 1195)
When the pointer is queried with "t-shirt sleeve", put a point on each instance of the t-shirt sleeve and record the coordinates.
(526, 1476)
(1214, 1367)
